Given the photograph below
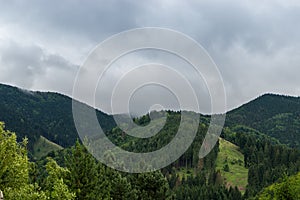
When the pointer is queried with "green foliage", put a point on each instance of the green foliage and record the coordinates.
(226, 167)
(163, 137)
(43, 147)
(14, 164)
(14, 169)
(266, 160)
(14, 173)
(151, 186)
(86, 178)
(55, 184)
(91, 180)
(120, 186)
(35, 114)
(286, 189)
(26, 192)
(255, 129)
(274, 115)
(230, 162)
(198, 187)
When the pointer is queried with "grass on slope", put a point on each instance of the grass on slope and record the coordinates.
(237, 174)
(44, 146)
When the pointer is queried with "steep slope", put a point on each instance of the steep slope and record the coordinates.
(44, 146)
(275, 115)
(230, 162)
(35, 114)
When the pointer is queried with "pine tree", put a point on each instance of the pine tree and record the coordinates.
(151, 186)
(86, 177)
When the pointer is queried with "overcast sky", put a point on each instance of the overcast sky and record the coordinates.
(255, 44)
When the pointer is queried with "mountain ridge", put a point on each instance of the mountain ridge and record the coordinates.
(277, 116)
(34, 114)
(246, 149)
(49, 114)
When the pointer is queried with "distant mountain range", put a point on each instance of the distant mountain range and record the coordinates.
(47, 114)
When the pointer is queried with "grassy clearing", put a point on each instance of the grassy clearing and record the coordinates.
(44, 146)
(185, 173)
(237, 174)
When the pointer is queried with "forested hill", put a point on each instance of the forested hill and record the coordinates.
(239, 166)
(35, 114)
(275, 115)
(49, 114)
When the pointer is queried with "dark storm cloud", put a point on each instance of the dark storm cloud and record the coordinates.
(256, 44)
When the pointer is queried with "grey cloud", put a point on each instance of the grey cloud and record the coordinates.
(248, 74)
(20, 64)
(91, 19)
(255, 44)
(28, 66)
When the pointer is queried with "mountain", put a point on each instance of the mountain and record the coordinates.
(247, 159)
(277, 116)
(47, 114)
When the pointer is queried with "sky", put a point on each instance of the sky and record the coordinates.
(255, 44)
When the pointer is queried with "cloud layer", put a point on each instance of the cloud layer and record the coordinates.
(255, 44)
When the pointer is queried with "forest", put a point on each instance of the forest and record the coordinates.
(41, 156)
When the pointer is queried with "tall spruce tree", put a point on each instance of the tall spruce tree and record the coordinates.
(86, 177)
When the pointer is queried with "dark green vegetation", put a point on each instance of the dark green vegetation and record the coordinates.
(35, 114)
(285, 188)
(259, 148)
(266, 160)
(43, 146)
(78, 176)
(274, 115)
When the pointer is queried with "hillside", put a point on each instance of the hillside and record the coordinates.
(287, 188)
(35, 114)
(44, 146)
(235, 174)
(247, 159)
(274, 115)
